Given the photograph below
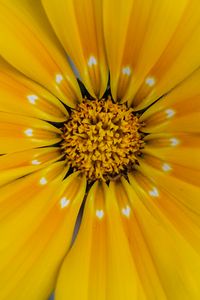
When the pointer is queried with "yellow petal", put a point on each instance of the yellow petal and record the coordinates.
(19, 133)
(23, 96)
(170, 168)
(134, 39)
(37, 244)
(29, 44)
(16, 193)
(16, 165)
(128, 204)
(179, 111)
(179, 148)
(100, 259)
(176, 261)
(124, 27)
(176, 61)
(182, 187)
(78, 25)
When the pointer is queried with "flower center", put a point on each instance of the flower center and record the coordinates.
(102, 139)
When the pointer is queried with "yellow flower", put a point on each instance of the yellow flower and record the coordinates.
(114, 152)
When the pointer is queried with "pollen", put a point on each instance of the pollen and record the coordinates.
(102, 139)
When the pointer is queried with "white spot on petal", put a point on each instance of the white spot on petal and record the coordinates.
(92, 61)
(154, 192)
(99, 213)
(150, 81)
(174, 142)
(64, 202)
(170, 113)
(29, 132)
(59, 78)
(126, 71)
(43, 181)
(126, 211)
(35, 162)
(166, 167)
(32, 98)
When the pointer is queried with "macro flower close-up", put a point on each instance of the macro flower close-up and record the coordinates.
(100, 149)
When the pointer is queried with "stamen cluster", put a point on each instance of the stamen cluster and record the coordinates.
(102, 139)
